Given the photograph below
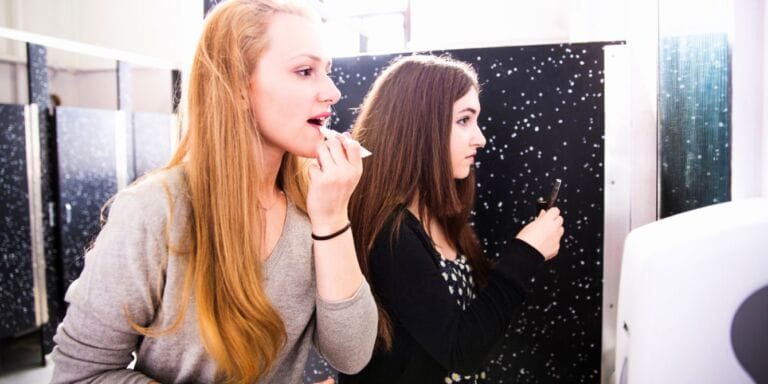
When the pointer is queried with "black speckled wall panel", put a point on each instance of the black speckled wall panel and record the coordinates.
(542, 113)
(209, 4)
(87, 179)
(37, 72)
(175, 90)
(152, 145)
(17, 296)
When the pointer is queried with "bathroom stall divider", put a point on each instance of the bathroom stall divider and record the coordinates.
(543, 117)
(59, 165)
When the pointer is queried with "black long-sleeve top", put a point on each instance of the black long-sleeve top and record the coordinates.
(433, 336)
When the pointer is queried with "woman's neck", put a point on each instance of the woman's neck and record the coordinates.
(273, 159)
(435, 232)
(413, 207)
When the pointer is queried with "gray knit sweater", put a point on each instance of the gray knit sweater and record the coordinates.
(130, 270)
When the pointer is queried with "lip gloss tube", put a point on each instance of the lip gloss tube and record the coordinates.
(330, 133)
(542, 204)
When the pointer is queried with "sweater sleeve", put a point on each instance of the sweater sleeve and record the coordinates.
(415, 294)
(346, 330)
(123, 278)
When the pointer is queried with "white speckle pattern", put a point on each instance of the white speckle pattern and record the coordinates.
(694, 122)
(557, 332)
(17, 299)
(87, 179)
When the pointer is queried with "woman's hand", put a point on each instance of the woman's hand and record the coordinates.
(544, 233)
(333, 178)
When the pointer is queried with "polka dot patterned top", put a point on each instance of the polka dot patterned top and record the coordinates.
(458, 277)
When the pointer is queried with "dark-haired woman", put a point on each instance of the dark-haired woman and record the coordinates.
(443, 306)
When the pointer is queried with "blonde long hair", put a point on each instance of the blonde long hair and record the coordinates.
(221, 154)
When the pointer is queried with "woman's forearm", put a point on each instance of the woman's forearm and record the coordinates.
(336, 267)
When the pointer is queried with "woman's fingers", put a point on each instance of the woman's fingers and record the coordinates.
(545, 232)
(324, 158)
(341, 156)
(336, 150)
(333, 179)
(314, 169)
(345, 150)
(352, 149)
(553, 213)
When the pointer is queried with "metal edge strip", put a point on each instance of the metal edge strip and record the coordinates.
(34, 184)
(617, 195)
(175, 133)
(121, 150)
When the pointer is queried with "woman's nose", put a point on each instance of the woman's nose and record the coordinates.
(478, 138)
(330, 93)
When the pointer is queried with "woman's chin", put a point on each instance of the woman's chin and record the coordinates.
(461, 175)
(303, 152)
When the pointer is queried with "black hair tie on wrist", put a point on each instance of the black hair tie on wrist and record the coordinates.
(332, 235)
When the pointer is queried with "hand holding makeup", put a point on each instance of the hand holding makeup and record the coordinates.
(542, 204)
(333, 176)
(330, 133)
(544, 232)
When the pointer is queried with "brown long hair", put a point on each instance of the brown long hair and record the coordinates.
(221, 153)
(406, 120)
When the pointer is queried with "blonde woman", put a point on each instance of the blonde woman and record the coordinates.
(236, 258)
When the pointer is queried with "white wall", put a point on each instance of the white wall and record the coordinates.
(10, 50)
(87, 89)
(14, 77)
(151, 89)
(750, 101)
(764, 130)
(167, 29)
(164, 29)
(435, 24)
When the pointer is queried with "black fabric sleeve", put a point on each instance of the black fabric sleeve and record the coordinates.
(413, 291)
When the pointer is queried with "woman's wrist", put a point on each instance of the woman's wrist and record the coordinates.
(333, 234)
(328, 225)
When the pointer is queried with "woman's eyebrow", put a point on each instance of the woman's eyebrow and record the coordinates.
(468, 109)
(312, 57)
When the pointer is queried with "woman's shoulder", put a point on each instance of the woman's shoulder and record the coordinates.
(153, 196)
(161, 182)
(402, 230)
(158, 181)
(407, 226)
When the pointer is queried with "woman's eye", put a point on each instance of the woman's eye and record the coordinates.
(305, 72)
(463, 120)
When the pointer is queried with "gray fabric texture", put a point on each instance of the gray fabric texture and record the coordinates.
(132, 272)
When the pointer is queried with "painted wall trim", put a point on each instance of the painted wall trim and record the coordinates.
(85, 49)
(618, 185)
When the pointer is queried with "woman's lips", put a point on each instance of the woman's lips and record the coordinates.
(319, 119)
(317, 123)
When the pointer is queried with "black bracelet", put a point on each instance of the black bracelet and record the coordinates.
(332, 235)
